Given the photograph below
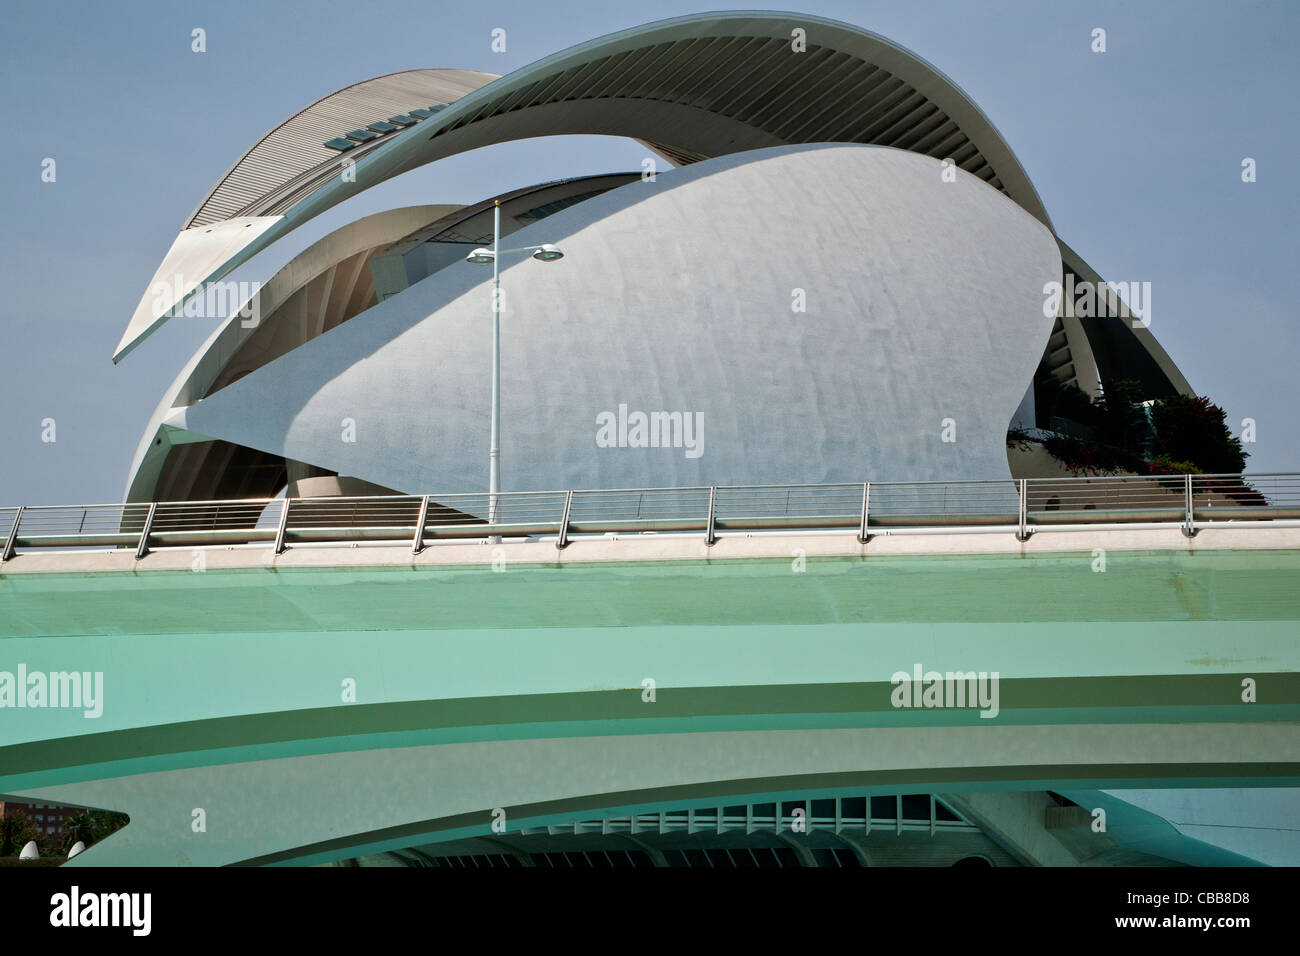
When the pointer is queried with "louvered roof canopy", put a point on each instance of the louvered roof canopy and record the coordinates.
(298, 145)
(703, 86)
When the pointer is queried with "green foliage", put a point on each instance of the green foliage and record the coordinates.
(79, 826)
(1121, 421)
(16, 830)
(1113, 432)
(1195, 430)
(1164, 465)
(1053, 399)
(1090, 457)
(91, 826)
(107, 822)
(1019, 438)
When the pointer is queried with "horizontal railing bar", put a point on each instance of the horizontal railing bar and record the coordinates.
(137, 505)
(214, 536)
(74, 540)
(222, 502)
(1261, 512)
(1027, 506)
(786, 521)
(635, 524)
(1083, 517)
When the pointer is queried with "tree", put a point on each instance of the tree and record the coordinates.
(1122, 423)
(1195, 430)
(79, 826)
(1184, 434)
(1054, 399)
(16, 830)
(104, 823)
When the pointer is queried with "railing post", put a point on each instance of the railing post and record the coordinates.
(12, 540)
(279, 531)
(562, 540)
(417, 543)
(863, 537)
(708, 531)
(1023, 533)
(1189, 521)
(143, 548)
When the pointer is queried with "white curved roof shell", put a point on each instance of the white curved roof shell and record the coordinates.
(924, 304)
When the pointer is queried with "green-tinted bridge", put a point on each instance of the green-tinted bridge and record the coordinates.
(327, 703)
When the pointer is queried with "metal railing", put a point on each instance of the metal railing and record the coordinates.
(896, 813)
(1022, 506)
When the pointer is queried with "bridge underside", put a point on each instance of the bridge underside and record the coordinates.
(299, 714)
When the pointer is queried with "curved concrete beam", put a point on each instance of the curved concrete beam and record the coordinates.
(550, 780)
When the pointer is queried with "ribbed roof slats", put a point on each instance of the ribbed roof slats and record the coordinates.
(837, 68)
(553, 92)
(672, 77)
(777, 77)
(712, 58)
(845, 105)
(852, 123)
(729, 71)
(629, 71)
(931, 141)
(298, 145)
(918, 119)
(578, 81)
(964, 154)
(823, 94)
(895, 106)
(743, 79)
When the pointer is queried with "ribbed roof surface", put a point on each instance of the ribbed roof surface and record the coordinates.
(298, 145)
(821, 95)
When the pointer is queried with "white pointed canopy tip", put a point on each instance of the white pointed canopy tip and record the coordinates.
(200, 255)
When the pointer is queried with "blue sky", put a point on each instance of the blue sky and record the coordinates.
(1136, 153)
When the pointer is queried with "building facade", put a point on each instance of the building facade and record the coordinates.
(832, 273)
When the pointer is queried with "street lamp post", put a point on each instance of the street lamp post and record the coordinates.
(494, 448)
(543, 253)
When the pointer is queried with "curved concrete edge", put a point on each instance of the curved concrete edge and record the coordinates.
(1140, 331)
(449, 791)
(208, 361)
(196, 256)
(638, 548)
(1258, 827)
(1145, 831)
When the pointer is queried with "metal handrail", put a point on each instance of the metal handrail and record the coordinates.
(1025, 507)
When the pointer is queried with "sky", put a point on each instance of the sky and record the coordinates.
(1136, 153)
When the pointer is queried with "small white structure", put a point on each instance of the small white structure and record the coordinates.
(30, 852)
(76, 848)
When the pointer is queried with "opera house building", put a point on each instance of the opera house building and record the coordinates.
(666, 516)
